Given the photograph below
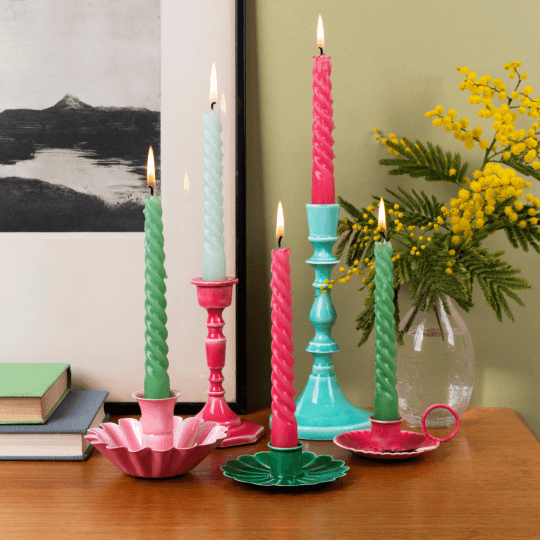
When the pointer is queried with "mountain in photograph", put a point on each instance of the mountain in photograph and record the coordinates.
(68, 103)
(73, 103)
(73, 115)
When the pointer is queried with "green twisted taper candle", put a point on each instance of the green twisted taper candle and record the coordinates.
(386, 397)
(156, 380)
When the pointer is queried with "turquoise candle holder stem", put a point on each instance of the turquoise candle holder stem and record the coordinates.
(323, 411)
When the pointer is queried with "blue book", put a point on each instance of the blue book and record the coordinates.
(62, 437)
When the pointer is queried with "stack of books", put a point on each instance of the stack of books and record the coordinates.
(41, 418)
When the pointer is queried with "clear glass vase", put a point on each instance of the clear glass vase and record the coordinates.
(435, 365)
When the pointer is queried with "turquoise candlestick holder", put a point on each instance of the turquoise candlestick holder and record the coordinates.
(323, 411)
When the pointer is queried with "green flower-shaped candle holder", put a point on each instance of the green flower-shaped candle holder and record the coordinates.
(284, 467)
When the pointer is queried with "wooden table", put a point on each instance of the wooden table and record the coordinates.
(483, 484)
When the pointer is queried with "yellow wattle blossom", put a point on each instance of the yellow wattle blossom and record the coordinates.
(492, 197)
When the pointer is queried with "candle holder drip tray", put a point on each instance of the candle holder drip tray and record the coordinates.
(284, 467)
(386, 439)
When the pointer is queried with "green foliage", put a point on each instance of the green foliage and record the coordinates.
(427, 272)
(431, 163)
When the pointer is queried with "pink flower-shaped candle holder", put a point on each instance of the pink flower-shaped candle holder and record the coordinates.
(386, 440)
(160, 445)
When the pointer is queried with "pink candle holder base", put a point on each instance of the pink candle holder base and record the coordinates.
(160, 445)
(215, 296)
(386, 440)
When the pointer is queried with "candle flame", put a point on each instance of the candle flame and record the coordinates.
(382, 216)
(213, 84)
(280, 221)
(186, 182)
(320, 33)
(223, 104)
(150, 170)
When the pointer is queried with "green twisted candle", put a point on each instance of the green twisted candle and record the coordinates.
(386, 397)
(156, 380)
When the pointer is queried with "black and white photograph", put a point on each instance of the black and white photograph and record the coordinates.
(79, 109)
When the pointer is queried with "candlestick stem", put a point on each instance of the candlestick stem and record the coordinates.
(215, 296)
(323, 411)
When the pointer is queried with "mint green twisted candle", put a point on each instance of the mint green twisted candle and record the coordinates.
(386, 397)
(213, 263)
(156, 380)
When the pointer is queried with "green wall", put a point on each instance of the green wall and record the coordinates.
(392, 62)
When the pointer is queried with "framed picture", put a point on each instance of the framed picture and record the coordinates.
(92, 86)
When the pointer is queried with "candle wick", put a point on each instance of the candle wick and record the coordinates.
(151, 191)
(279, 241)
(383, 235)
(322, 52)
(212, 106)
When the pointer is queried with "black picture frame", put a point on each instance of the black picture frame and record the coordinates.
(239, 406)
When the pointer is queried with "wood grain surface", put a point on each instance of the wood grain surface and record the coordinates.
(484, 483)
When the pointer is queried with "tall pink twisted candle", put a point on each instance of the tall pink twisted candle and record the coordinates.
(284, 427)
(322, 172)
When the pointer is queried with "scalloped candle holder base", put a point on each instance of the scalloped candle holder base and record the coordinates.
(160, 445)
(288, 467)
(386, 440)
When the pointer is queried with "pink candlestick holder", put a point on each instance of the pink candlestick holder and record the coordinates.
(386, 440)
(160, 445)
(215, 296)
(157, 420)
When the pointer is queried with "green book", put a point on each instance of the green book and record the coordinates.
(30, 392)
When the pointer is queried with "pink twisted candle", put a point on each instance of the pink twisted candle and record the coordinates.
(322, 172)
(284, 427)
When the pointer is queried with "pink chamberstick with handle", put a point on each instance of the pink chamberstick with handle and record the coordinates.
(215, 296)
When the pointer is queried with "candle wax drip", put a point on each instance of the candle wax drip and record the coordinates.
(386, 397)
(156, 381)
(213, 241)
(284, 426)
